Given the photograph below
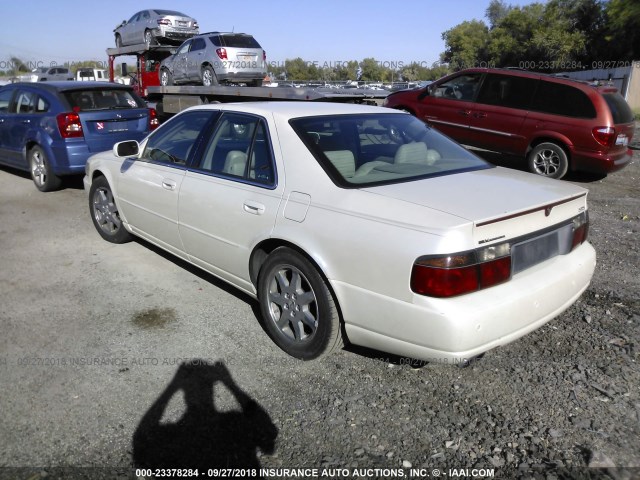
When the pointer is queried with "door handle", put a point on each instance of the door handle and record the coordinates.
(168, 184)
(464, 113)
(480, 115)
(254, 208)
(26, 120)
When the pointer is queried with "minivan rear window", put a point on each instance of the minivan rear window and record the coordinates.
(563, 100)
(234, 41)
(620, 109)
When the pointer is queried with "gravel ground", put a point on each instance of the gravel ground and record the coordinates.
(93, 336)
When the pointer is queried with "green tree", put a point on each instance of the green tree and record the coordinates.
(466, 44)
(496, 11)
(622, 29)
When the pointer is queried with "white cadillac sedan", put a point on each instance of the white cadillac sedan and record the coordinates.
(352, 223)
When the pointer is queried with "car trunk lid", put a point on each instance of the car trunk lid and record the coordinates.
(500, 203)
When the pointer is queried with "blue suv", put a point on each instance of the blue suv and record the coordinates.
(51, 129)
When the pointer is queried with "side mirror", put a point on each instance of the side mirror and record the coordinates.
(128, 148)
(425, 93)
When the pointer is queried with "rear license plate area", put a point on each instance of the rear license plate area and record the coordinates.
(536, 250)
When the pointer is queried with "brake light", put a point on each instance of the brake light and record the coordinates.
(222, 53)
(580, 230)
(164, 21)
(460, 273)
(69, 125)
(605, 136)
(153, 119)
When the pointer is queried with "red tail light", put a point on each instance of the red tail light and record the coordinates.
(457, 274)
(580, 230)
(222, 53)
(153, 119)
(69, 125)
(605, 136)
(164, 21)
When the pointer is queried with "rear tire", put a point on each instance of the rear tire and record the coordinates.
(298, 309)
(118, 41)
(209, 78)
(105, 214)
(149, 39)
(549, 160)
(41, 173)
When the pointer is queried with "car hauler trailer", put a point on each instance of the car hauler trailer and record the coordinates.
(169, 100)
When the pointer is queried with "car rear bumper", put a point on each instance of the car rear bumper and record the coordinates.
(597, 162)
(452, 330)
(175, 34)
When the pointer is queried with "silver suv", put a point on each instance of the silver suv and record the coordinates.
(50, 74)
(213, 58)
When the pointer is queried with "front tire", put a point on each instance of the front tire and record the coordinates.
(41, 174)
(166, 79)
(298, 309)
(118, 41)
(104, 212)
(549, 160)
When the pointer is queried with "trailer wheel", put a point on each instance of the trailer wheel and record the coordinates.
(209, 78)
(166, 79)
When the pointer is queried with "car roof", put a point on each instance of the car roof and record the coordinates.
(63, 85)
(297, 109)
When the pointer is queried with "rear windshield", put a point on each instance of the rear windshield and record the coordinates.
(102, 99)
(620, 109)
(376, 149)
(234, 41)
(170, 12)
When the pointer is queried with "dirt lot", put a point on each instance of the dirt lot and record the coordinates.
(93, 336)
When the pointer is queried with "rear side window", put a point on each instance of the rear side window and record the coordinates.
(507, 91)
(103, 99)
(620, 110)
(565, 100)
(5, 98)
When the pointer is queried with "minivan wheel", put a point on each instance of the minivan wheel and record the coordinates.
(549, 160)
(298, 309)
(118, 41)
(209, 78)
(41, 173)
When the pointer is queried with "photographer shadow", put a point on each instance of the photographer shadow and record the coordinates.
(204, 437)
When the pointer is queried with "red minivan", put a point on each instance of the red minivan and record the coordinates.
(557, 123)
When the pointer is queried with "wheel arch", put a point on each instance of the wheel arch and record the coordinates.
(560, 140)
(263, 249)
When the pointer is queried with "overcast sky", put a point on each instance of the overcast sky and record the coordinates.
(323, 31)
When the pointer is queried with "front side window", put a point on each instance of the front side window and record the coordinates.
(174, 141)
(184, 48)
(198, 44)
(240, 147)
(375, 149)
(462, 87)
